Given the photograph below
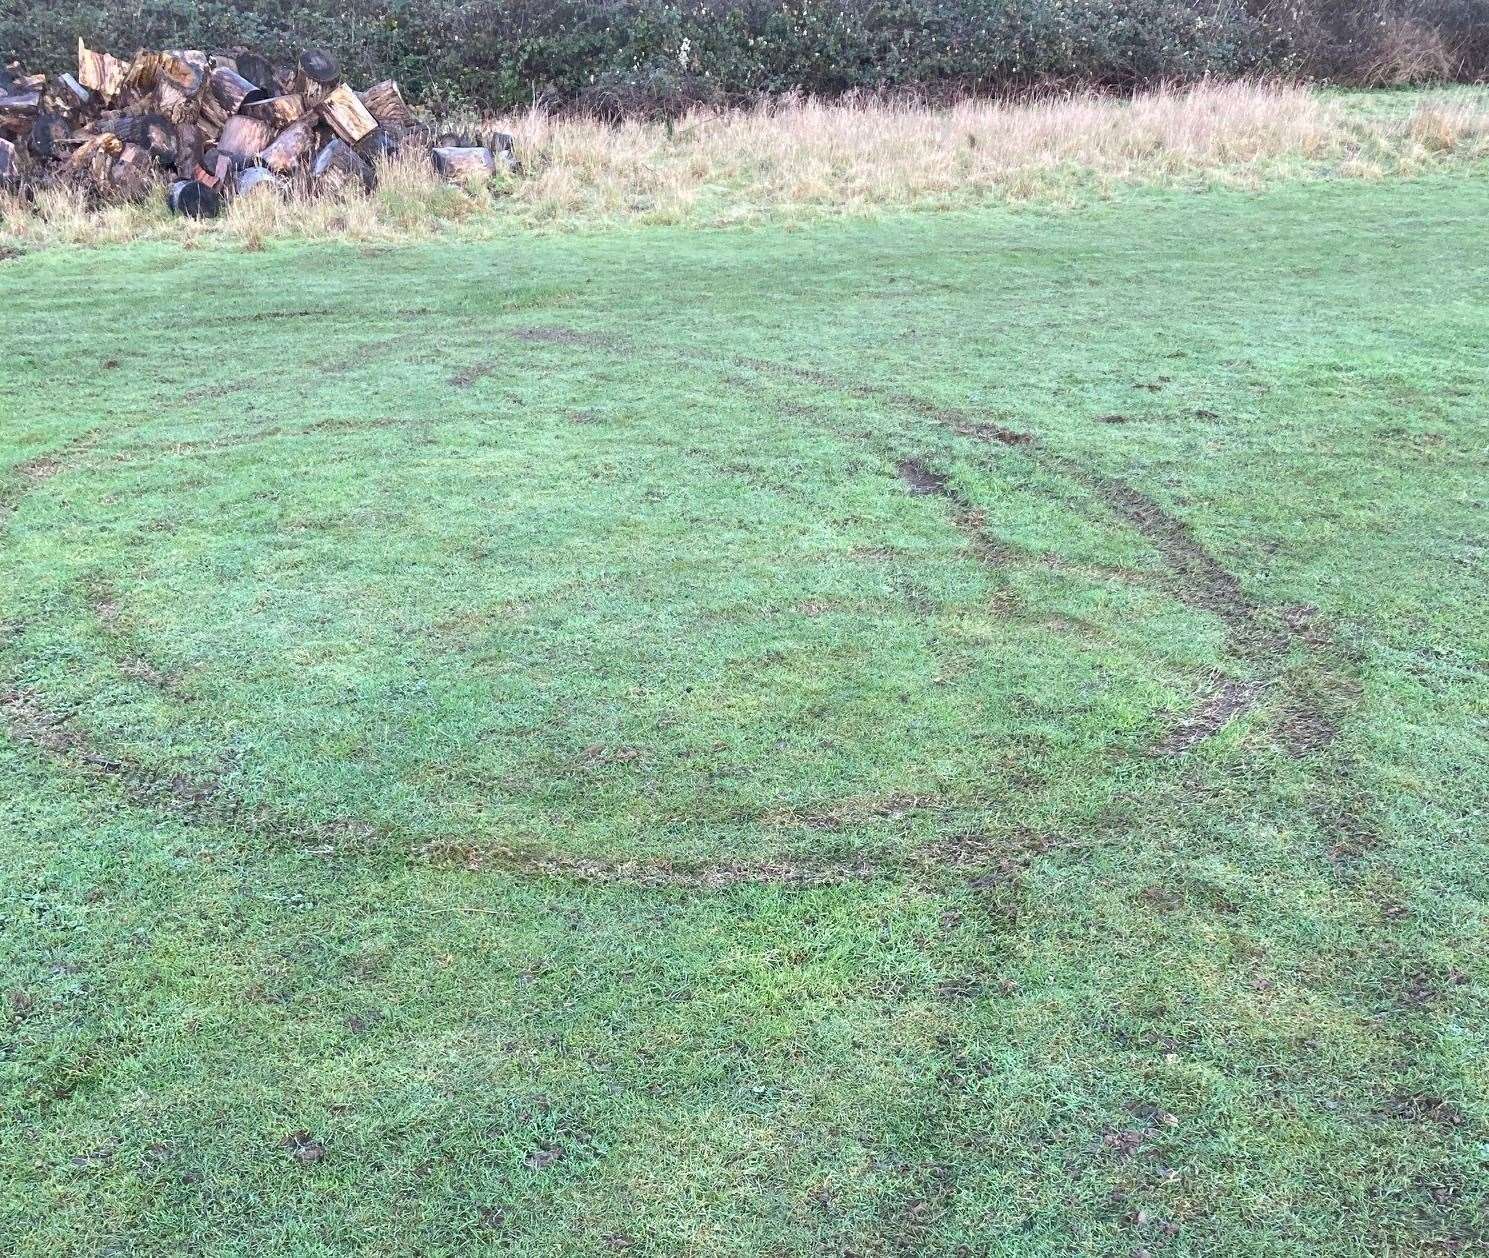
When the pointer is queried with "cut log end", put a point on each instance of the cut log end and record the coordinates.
(192, 199)
(244, 138)
(346, 115)
(384, 101)
(464, 163)
(290, 147)
(10, 166)
(338, 163)
(256, 181)
(277, 111)
(319, 66)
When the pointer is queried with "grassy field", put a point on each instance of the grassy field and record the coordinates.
(957, 734)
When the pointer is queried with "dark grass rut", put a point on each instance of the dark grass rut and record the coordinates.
(1254, 635)
(208, 801)
(1196, 578)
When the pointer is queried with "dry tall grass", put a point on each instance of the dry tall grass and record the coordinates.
(803, 159)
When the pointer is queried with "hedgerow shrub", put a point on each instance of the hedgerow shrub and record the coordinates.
(623, 55)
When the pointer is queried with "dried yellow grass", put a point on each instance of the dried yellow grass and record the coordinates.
(803, 159)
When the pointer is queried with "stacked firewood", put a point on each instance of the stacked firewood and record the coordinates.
(213, 126)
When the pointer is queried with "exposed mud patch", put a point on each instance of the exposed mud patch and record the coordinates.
(981, 431)
(27, 720)
(1226, 700)
(921, 479)
(467, 376)
(702, 876)
(1425, 1109)
(1348, 836)
(1426, 985)
(1302, 731)
(563, 336)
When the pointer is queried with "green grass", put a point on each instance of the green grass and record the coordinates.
(502, 711)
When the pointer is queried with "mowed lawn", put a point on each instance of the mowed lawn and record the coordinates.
(950, 735)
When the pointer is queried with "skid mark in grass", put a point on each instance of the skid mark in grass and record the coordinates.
(1193, 575)
(467, 376)
(701, 876)
(208, 801)
(853, 811)
(132, 662)
(1226, 700)
(1348, 836)
(970, 520)
(1200, 581)
(35, 471)
(565, 336)
(148, 451)
(27, 720)
(958, 420)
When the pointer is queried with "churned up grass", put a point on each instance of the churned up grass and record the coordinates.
(939, 735)
(805, 159)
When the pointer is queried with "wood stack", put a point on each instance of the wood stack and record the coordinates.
(212, 125)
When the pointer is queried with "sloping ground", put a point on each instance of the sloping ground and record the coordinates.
(948, 732)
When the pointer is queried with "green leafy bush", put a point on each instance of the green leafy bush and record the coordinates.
(621, 55)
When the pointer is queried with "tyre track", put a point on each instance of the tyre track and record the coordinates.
(1196, 578)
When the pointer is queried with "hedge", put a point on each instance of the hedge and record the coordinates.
(622, 55)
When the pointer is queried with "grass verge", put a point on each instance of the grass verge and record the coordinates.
(798, 161)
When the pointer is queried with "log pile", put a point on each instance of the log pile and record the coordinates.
(213, 126)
